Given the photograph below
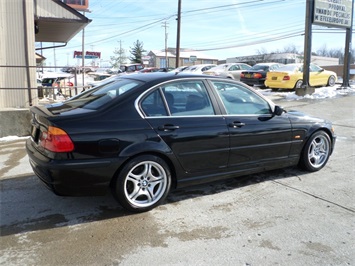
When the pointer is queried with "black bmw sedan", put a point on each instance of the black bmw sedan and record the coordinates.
(144, 134)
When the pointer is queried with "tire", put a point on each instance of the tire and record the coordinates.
(142, 184)
(298, 84)
(331, 81)
(316, 152)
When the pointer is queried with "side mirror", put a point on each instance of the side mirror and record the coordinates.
(278, 110)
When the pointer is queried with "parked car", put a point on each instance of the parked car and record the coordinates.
(149, 70)
(105, 81)
(198, 69)
(129, 68)
(55, 83)
(256, 75)
(142, 135)
(179, 69)
(230, 70)
(291, 77)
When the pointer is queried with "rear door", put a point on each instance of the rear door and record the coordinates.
(257, 137)
(182, 114)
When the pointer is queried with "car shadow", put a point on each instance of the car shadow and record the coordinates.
(27, 206)
(231, 183)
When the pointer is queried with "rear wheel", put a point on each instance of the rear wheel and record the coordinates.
(331, 81)
(143, 183)
(298, 84)
(316, 152)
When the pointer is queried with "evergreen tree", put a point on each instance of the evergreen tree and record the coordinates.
(137, 52)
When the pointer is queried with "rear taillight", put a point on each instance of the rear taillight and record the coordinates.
(286, 78)
(56, 140)
(242, 75)
(258, 76)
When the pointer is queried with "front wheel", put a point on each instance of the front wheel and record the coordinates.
(143, 183)
(316, 152)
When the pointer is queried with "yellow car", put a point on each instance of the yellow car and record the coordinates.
(290, 77)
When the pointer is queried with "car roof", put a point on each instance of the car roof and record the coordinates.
(163, 76)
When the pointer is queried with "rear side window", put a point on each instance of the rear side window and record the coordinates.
(102, 95)
(183, 98)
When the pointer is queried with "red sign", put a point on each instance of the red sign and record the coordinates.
(94, 54)
(77, 54)
(80, 5)
(88, 54)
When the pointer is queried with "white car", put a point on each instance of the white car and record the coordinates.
(198, 69)
(229, 70)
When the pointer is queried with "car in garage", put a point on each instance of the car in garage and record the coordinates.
(256, 75)
(143, 135)
(291, 77)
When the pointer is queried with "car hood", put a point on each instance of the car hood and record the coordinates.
(298, 116)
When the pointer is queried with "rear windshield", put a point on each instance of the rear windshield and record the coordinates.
(260, 67)
(102, 95)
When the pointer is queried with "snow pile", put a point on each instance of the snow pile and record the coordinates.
(320, 93)
(12, 138)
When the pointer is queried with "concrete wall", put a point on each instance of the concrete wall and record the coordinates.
(15, 122)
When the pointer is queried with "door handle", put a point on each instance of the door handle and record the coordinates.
(168, 127)
(236, 124)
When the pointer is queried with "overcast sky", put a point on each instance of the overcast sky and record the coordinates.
(224, 28)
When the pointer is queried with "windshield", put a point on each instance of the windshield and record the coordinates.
(260, 67)
(288, 68)
(99, 96)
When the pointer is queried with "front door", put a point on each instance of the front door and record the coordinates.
(257, 137)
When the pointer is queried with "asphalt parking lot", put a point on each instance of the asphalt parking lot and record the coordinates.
(283, 217)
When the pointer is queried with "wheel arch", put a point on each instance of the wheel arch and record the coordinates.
(159, 154)
(315, 130)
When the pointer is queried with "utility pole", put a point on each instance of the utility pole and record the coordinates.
(347, 54)
(306, 88)
(165, 25)
(178, 36)
(82, 54)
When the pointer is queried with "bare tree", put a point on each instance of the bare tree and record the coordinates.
(292, 49)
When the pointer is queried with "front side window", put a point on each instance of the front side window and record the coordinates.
(239, 100)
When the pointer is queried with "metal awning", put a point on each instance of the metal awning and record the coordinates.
(57, 22)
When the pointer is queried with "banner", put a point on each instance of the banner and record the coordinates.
(88, 55)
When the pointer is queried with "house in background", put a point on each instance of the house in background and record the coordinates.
(188, 57)
(284, 58)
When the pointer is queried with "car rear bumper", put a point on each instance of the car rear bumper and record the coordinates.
(73, 177)
(252, 82)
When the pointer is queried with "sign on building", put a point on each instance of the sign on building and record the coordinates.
(333, 13)
(193, 58)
